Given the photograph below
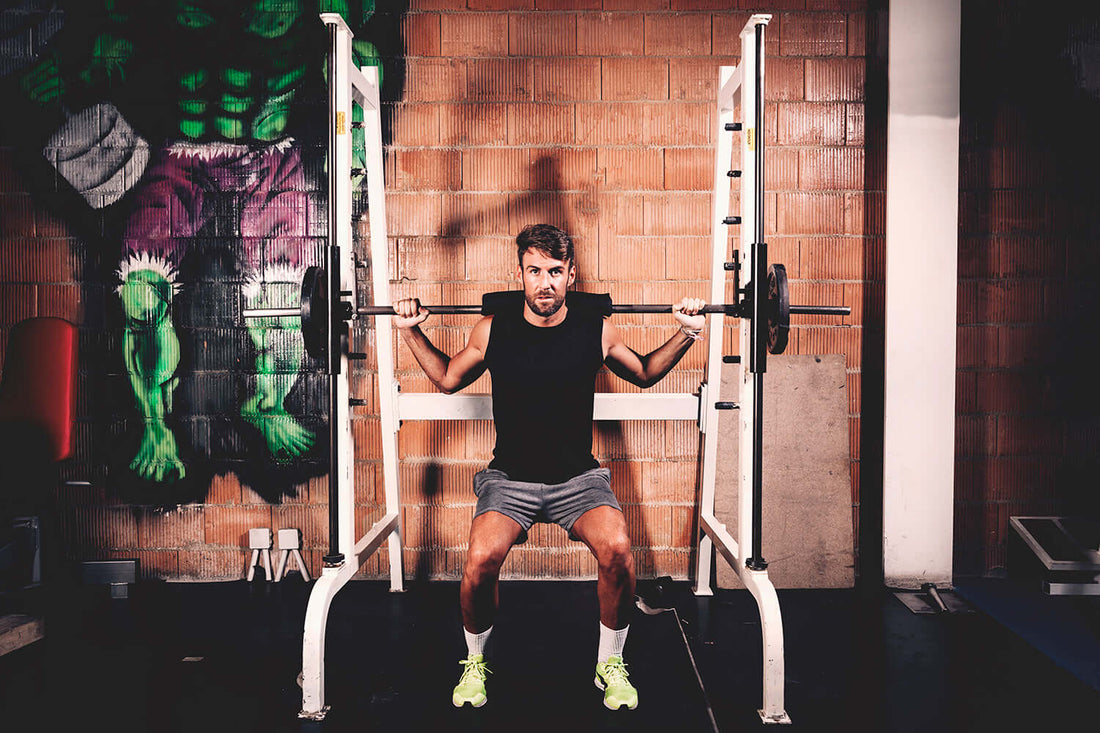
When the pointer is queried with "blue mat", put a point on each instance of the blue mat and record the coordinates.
(1065, 628)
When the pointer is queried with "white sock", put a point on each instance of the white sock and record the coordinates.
(475, 643)
(612, 642)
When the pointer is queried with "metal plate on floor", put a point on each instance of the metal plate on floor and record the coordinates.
(922, 602)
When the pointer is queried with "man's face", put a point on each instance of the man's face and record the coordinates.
(545, 282)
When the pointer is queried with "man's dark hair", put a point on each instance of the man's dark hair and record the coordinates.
(548, 239)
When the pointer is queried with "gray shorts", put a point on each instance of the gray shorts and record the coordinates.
(528, 502)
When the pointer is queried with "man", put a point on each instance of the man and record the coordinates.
(543, 356)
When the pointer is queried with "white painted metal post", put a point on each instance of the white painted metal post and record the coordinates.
(728, 86)
(383, 326)
(345, 82)
(734, 83)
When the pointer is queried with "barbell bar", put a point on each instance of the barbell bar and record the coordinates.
(314, 308)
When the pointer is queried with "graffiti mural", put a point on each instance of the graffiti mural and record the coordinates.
(185, 139)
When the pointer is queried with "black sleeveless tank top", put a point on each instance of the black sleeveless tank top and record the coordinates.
(544, 379)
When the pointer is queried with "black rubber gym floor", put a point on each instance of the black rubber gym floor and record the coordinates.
(225, 657)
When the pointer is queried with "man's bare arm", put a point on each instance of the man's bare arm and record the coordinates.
(647, 370)
(449, 374)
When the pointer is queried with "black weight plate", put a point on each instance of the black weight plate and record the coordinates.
(315, 312)
(779, 309)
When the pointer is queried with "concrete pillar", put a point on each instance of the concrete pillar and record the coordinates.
(922, 192)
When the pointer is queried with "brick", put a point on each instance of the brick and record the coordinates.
(566, 79)
(495, 169)
(687, 258)
(436, 526)
(810, 124)
(726, 33)
(474, 214)
(696, 79)
(473, 34)
(473, 124)
(1030, 435)
(831, 340)
(810, 213)
(689, 169)
(634, 78)
(311, 521)
(434, 79)
(575, 213)
(214, 564)
(415, 5)
(152, 564)
(857, 34)
(676, 213)
(367, 438)
(542, 34)
(541, 124)
(562, 169)
(415, 124)
(853, 124)
(610, 124)
(421, 32)
(976, 346)
(229, 525)
(501, 4)
(92, 528)
(499, 80)
(865, 213)
(632, 258)
(430, 259)
(781, 169)
(428, 169)
(678, 34)
(610, 34)
(568, 4)
(830, 258)
(620, 214)
(786, 79)
(834, 80)
(830, 169)
(630, 169)
(16, 215)
(672, 481)
(438, 483)
(677, 124)
(413, 214)
(172, 528)
(814, 34)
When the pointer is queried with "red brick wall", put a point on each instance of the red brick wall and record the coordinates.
(596, 116)
(1027, 432)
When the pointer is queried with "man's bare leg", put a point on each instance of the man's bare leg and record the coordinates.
(603, 529)
(491, 537)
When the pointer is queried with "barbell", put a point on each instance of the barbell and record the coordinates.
(314, 308)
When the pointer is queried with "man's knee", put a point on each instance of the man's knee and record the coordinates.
(483, 562)
(613, 554)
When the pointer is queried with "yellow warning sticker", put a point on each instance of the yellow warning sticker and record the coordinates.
(750, 138)
(341, 123)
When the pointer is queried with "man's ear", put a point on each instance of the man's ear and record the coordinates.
(572, 274)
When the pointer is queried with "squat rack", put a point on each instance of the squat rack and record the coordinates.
(348, 86)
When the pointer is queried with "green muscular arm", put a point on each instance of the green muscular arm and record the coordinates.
(151, 352)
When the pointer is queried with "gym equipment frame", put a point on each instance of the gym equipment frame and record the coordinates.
(763, 329)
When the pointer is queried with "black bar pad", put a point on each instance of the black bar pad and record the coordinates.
(500, 301)
(503, 300)
(598, 302)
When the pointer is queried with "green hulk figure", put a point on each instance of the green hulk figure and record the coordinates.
(214, 83)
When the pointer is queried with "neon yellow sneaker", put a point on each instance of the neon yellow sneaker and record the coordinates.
(611, 677)
(471, 685)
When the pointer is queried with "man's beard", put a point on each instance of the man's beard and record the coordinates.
(545, 309)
